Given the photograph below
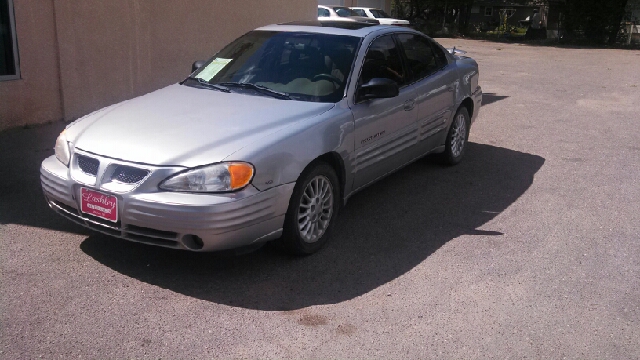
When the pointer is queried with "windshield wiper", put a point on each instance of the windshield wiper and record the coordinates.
(259, 88)
(209, 85)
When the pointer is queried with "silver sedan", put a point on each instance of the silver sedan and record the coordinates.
(267, 139)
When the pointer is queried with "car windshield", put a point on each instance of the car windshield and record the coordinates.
(379, 14)
(301, 65)
(344, 12)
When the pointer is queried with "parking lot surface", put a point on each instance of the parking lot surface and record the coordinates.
(528, 249)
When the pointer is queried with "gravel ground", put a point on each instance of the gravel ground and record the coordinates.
(528, 249)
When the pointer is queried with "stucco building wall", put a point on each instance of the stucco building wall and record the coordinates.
(79, 56)
(34, 98)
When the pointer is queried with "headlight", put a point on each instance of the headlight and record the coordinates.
(62, 149)
(221, 177)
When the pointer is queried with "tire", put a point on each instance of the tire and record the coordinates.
(308, 223)
(457, 138)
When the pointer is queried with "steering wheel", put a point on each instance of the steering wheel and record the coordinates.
(328, 77)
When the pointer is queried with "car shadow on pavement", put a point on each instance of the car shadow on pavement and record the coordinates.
(21, 198)
(490, 98)
(383, 232)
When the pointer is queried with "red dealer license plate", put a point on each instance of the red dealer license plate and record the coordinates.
(98, 204)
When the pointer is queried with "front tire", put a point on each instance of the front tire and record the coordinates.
(457, 138)
(312, 210)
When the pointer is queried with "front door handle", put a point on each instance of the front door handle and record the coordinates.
(409, 104)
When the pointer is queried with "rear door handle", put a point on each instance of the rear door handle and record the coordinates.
(409, 104)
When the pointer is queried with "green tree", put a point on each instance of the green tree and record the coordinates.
(435, 11)
(598, 20)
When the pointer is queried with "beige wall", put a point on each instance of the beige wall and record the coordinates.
(35, 98)
(114, 50)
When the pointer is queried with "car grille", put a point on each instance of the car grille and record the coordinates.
(88, 165)
(128, 174)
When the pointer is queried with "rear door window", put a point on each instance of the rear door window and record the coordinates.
(422, 61)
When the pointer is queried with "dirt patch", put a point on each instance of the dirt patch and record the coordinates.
(313, 320)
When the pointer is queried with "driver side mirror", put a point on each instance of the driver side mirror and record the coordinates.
(197, 65)
(378, 88)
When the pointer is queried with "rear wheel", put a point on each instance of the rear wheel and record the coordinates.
(312, 210)
(456, 142)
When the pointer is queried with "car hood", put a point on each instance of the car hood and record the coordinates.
(186, 126)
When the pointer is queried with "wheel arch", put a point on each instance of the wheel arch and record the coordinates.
(467, 103)
(337, 163)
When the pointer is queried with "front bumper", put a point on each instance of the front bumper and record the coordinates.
(199, 222)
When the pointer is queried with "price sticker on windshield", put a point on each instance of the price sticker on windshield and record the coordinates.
(213, 69)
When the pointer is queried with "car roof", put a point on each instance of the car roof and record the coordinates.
(334, 27)
(333, 6)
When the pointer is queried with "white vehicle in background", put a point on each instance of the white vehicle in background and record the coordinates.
(379, 15)
(342, 13)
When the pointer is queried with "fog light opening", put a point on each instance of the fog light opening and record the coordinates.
(192, 242)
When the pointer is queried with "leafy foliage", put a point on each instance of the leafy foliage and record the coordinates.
(431, 15)
(598, 20)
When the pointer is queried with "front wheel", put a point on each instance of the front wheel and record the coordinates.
(312, 210)
(457, 137)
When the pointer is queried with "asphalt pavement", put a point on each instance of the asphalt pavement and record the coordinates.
(530, 248)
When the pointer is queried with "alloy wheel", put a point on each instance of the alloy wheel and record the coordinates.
(315, 209)
(459, 135)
